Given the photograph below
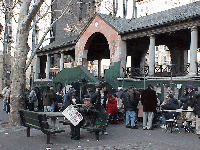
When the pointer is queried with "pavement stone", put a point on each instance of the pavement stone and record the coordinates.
(118, 138)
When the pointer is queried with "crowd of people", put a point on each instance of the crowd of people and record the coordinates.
(124, 106)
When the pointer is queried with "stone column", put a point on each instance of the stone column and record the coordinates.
(185, 57)
(193, 51)
(48, 66)
(152, 56)
(61, 61)
(123, 57)
(36, 67)
(142, 63)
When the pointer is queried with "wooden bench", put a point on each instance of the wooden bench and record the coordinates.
(100, 123)
(38, 121)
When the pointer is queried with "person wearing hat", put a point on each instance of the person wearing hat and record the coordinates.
(184, 99)
(149, 102)
(68, 97)
(88, 112)
(171, 104)
(191, 103)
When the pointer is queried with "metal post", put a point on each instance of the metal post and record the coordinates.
(144, 81)
(80, 90)
(123, 77)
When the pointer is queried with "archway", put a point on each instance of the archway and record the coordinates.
(97, 48)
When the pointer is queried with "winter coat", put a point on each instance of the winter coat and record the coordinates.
(197, 104)
(184, 100)
(120, 94)
(172, 104)
(137, 99)
(68, 100)
(191, 99)
(47, 98)
(7, 96)
(130, 104)
(88, 113)
(112, 105)
(149, 100)
(54, 95)
(32, 97)
(4, 91)
(96, 100)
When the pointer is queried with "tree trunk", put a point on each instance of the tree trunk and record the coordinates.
(17, 99)
(18, 77)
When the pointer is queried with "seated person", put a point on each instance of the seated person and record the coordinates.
(171, 104)
(88, 112)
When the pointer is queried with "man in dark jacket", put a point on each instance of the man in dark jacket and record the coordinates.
(130, 106)
(149, 102)
(68, 100)
(172, 104)
(47, 99)
(99, 98)
(88, 112)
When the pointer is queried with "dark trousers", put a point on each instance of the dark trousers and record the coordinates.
(75, 130)
(31, 106)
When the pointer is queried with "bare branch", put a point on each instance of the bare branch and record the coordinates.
(24, 11)
(42, 39)
(42, 15)
(28, 19)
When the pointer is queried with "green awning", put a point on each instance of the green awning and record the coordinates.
(69, 75)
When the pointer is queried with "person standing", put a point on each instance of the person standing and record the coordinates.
(99, 99)
(47, 99)
(130, 106)
(68, 97)
(52, 108)
(27, 93)
(4, 100)
(32, 99)
(7, 100)
(112, 108)
(149, 102)
(137, 99)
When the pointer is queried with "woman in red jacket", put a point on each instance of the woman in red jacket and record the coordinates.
(112, 108)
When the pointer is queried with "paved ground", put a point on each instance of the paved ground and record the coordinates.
(118, 138)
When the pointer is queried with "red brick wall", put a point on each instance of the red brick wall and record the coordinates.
(98, 25)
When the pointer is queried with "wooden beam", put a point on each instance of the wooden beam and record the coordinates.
(159, 30)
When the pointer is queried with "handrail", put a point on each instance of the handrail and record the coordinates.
(160, 70)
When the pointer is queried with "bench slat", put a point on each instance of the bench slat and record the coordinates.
(37, 121)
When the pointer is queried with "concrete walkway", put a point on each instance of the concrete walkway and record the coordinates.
(118, 138)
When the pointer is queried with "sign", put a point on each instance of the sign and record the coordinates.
(79, 60)
(72, 115)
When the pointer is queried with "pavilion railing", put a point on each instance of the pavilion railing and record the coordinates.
(173, 70)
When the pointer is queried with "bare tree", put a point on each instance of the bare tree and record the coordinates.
(28, 11)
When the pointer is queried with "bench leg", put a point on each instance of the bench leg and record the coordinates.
(97, 135)
(48, 138)
(28, 131)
